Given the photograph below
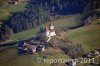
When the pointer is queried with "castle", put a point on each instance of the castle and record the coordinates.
(50, 31)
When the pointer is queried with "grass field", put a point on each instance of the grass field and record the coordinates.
(6, 11)
(10, 57)
(88, 35)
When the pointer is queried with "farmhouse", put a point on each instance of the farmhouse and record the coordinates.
(28, 46)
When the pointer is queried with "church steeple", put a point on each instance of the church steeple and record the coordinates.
(51, 26)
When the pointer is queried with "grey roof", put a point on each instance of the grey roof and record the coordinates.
(33, 47)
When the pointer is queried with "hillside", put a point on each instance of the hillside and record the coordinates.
(87, 35)
(5, 12)
(67, 21)
(80, 35)
(23, 33)
(25, 16)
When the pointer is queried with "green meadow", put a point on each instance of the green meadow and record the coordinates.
(6, 11)
(87, 35)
